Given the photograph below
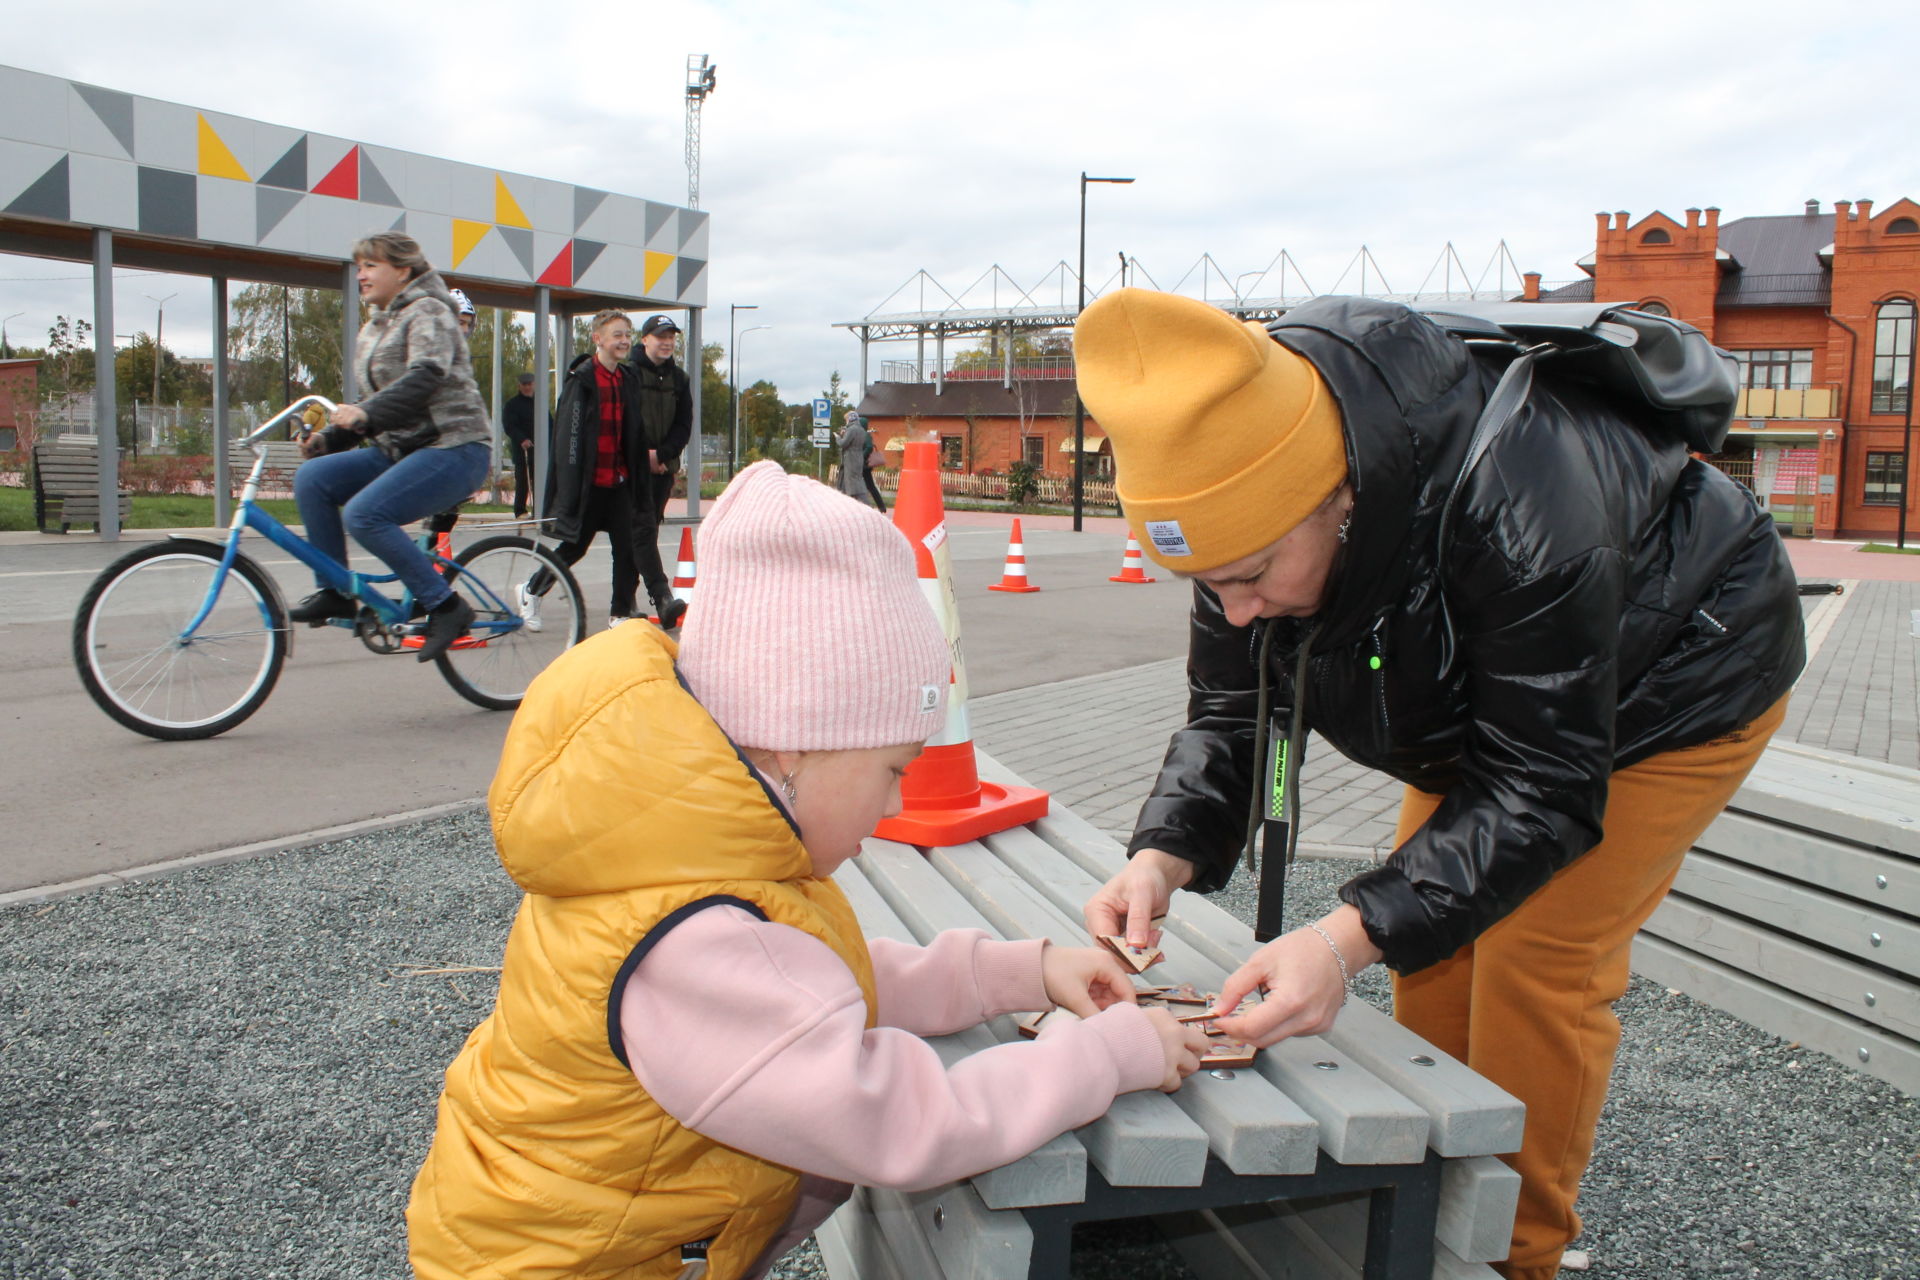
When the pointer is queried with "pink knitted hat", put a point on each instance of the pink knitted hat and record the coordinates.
(811, 633)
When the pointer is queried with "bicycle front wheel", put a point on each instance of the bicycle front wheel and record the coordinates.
(142, 666)
(510, 642)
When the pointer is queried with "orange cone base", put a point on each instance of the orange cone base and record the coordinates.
(1012, 586)
(1137, 577)
(998, 809)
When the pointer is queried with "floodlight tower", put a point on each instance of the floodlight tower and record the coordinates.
(699, 85)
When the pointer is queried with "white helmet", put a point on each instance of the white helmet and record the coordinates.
(462, 304)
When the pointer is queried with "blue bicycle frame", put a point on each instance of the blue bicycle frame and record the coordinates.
(494, 615)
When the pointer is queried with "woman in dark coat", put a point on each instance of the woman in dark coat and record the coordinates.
(1572, 682)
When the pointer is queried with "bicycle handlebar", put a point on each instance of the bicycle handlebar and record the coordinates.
(286, 413)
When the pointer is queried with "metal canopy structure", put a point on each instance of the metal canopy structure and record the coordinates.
(996, 304)
(89, 174)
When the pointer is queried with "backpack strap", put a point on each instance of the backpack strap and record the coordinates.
(1508, 395)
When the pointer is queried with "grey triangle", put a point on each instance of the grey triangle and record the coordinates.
(399, 223)
(657, 215)
(584, 252)
(520, 240)
(290, 170)
(374, 188)
(687, 274)
(115, 110)
(271, 205)
(585, 201)
(50, 196)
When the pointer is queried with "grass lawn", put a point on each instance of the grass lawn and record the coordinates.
(1892, 551)
(169, 511)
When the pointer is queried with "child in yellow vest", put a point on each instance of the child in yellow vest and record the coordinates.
(693, 1042)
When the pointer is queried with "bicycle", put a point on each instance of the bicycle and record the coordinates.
(185, 638)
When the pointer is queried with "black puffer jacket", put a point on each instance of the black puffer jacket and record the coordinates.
(575, 431)
(1608, 598)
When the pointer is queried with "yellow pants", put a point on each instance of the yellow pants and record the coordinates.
(1529, 1004)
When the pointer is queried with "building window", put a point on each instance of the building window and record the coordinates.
(1903, 227)
(1783, 369)
(951, 454)
(1653, 308)
(1892, 356)
(1884, 474)
(1033, 452)
(1657, 236)
(9, 439)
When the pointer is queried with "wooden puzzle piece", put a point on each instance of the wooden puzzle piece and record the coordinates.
(1138, 959)
(1228, 1053)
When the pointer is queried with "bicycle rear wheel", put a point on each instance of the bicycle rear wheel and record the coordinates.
(138, 664)
(492, 665)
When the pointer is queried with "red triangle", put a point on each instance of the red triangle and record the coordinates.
(343, 179)
(560, 270)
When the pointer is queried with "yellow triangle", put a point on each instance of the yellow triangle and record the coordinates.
(465, 236)
(506, 210)
(216, 158)
(657, 264)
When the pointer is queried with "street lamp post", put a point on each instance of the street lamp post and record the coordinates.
(1079, 405)
(733, 386)
(159, 330)
(733, 362)
(6, 350)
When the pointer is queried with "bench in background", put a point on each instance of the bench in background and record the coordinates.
(66, 485)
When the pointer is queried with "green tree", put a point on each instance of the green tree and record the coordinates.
(715, 409)
(837, 394)
(763, 421)
(282, 335)
(133, 376)
(516, 351)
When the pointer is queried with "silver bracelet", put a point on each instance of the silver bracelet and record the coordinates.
(1346, 980)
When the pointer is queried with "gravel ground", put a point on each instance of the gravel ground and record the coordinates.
(231, 1072)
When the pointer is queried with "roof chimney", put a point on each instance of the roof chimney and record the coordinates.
(1693, 218)
(1620, 220)
(1531, 293)
(1713, 217)
(1813, 208)
(1866, 209)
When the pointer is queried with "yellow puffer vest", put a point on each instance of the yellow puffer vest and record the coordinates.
(618, 801)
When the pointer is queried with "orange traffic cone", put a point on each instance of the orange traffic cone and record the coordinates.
(683, 575)
(1132, 566)
(1014, 577)
(945, 801)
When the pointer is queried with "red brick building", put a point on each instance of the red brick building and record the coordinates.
(19, 399)
(1819, 309)
(985, 425)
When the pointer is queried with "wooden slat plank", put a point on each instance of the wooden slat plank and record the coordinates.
(1802, 794)
(1053, 1173)
(1251, 1126)
(1838, 924)
(1887, 881)
(1478, 1200)
(969, 1240)
(1144, 1139)
(852, 1245)
(1820, 975)
(1361, 1119)
(1780, 1012)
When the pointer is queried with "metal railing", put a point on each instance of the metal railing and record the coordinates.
(1821, 400)
(973, 368)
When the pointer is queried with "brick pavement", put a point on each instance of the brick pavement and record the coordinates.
(1096, 741)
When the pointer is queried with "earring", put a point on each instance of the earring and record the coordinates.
(786, 787)
(1341, 532)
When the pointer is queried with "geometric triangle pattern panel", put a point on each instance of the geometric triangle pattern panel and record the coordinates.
(88, 156)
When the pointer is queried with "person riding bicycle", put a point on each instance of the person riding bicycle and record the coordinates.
(429, 428)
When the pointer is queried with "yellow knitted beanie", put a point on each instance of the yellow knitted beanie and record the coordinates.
(1223, 440)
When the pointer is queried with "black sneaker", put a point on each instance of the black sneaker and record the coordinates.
(670, 613)
(446, 622)
(323, 605)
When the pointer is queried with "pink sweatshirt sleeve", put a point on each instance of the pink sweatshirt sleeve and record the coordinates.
(754, 1035)
(960, 979)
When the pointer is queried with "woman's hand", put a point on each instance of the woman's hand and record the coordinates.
(1301, 978)
(1183, 1044)
(350, 416)
(1084, 980)
(312, 445)
(1131, 901)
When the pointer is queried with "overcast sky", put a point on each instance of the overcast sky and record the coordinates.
(850, 143)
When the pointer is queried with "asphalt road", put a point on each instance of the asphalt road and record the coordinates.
(350, 737)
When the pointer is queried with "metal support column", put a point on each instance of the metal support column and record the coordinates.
(865, 337)
(1006, 359)
(695, 359)
(222, 440)
(106, 419)
(493, 401)
(349, 332)
(542, 398)
(939, 361)
(920, 353)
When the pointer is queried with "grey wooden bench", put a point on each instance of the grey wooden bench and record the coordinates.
(283, 459)
(66, 486)
(1799, 910)
(1365, 1148)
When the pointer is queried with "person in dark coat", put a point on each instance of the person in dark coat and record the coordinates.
(666, 420)
(1572, 684)
(598, 471)
(516, 423)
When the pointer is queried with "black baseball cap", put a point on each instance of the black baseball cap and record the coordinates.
(525, 378)
(656, 324)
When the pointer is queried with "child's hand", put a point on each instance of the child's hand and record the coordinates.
(1183, 1044)
(1084, 980)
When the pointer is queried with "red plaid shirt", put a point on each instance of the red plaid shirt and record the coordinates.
(610, 460)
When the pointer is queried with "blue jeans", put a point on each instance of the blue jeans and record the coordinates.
(376, 496)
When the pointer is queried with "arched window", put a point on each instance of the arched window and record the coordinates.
(1654, 307)
(1903, 227)
(1656, 236)
(1892, 355)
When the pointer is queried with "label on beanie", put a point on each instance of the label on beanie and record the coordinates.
(1167, 538)
(929, 699)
